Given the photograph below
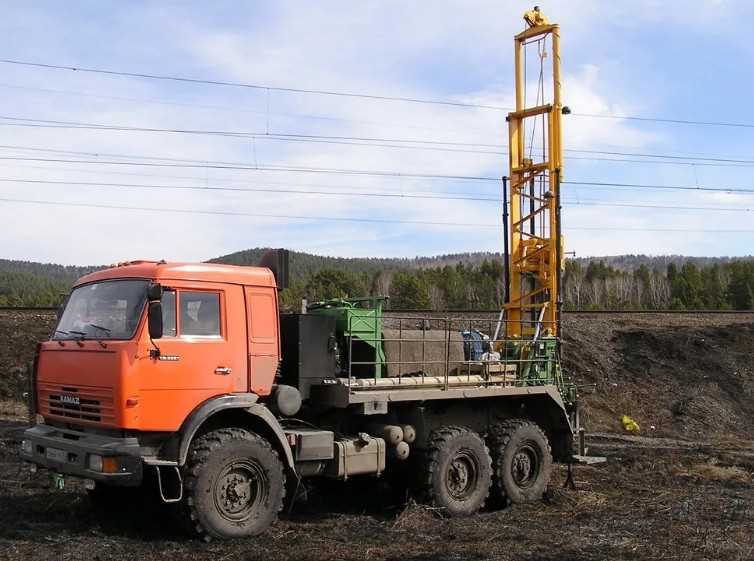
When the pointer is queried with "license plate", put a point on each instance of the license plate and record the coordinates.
(56, 455)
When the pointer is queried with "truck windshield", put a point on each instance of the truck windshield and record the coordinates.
(103, 310)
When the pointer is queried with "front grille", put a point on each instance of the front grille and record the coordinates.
(81, 404)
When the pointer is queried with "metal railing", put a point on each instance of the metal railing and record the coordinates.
(508, 361)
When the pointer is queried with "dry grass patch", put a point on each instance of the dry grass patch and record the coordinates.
(13, 411)
(714, 472)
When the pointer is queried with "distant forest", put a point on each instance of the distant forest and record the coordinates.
(458, 281)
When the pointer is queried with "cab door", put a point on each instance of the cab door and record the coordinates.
(264, 344)
(202, 353)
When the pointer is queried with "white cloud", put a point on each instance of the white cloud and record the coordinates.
(451, 50)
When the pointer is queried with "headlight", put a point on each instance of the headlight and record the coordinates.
(27, 447)
(95, 462)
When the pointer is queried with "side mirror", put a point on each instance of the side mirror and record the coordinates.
(154, 320)
(154, 291)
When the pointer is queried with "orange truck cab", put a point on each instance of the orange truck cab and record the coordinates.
(220, 336)
(103, 384)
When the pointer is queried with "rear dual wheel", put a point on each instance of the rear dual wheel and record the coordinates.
(521, 461)
(457, 471)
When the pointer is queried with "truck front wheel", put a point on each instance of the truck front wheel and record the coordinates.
(234, 484)
(457, 471)
(522, 461)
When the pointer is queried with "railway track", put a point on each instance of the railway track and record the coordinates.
(467, 311)
(585, 312)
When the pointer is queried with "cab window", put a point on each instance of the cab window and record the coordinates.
(200, 314)
(169, 328)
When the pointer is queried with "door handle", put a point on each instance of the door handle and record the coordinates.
(223, 370)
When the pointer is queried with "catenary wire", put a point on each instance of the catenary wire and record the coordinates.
(376, 173)
(348, 219)
(418, 100)
(254, 86)
(414, 144)
(437, 196)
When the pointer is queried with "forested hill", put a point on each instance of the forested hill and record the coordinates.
(51, 270)
(630, 263)
(460, 281)
(304, 264)
(26, 283)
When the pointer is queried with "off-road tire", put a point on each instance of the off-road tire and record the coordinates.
(233, 485)
(456, 471)
(521, 460)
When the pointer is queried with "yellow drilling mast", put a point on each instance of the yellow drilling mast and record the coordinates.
(532, 192)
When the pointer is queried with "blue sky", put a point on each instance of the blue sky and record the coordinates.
(668, 59)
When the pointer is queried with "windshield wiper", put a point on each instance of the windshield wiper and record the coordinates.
(80, 339)
(60, 331)
(105, 329)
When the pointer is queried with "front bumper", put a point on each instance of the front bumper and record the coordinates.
(67, 451)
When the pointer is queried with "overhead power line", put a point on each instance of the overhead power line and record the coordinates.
(115, 155)
(502, 151)
(668, 120)
(235, 181)
(291, 169)
(164, 210)
(450, 103)
(663, 187)
(52, 123)
(253, 86)
(376, 173)
(273, 190)
(228, 108)
(657, 206)
(263, 112)
(161, 210)
(267, 184)
(393, 143)
(475, 197)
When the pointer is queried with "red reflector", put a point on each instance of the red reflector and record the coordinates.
(132, 402)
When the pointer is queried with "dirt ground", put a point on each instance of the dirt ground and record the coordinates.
(683, 490)
(19, 333)
(651, 500)
(687, 376)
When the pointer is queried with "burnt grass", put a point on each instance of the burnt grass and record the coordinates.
(682, 490)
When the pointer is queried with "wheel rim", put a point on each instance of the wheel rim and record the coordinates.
(526, 465)
(462, 475)
(240, 488)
